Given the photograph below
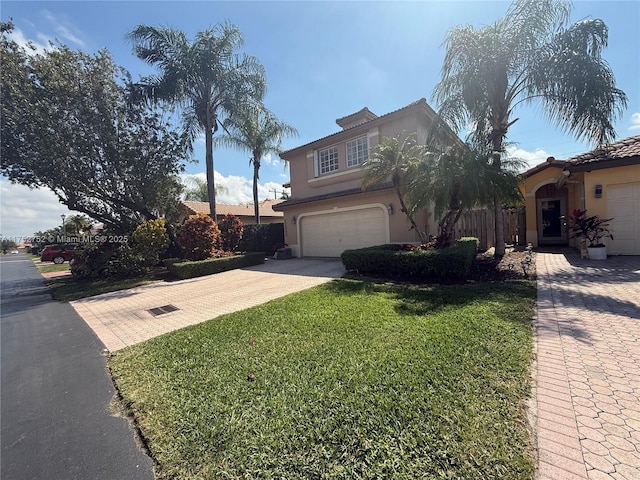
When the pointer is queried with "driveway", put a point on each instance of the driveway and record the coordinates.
(588, 367)
(132, 316)
(56, 391)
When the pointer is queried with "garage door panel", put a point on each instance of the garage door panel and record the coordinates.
(623, 206)
(329, 234)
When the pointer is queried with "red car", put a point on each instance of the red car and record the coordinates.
(57, 253)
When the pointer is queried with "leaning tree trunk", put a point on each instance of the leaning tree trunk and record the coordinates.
(256, 168)
(409, 215)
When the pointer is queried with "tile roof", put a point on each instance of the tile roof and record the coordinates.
(417, 104)
(328, 196)
(622, 150)
(266, 208)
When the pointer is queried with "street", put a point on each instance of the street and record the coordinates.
(55, 418)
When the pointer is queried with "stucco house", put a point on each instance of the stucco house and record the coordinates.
(328, 212)
(243, 212)
(605, 182)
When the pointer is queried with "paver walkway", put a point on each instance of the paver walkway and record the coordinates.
(588, 367)
(122, 318)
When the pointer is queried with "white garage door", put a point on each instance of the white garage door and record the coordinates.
(330, 234)
(623, 205)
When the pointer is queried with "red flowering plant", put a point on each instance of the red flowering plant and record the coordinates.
(593, 228)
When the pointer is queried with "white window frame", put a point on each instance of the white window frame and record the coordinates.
(332, 160)
(360, 155)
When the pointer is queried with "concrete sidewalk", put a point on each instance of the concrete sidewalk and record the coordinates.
(124, 318)
(588, 367)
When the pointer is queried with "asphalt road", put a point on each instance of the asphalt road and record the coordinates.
(55, 390)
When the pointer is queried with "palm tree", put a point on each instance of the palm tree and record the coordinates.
(205, 78)
(395, 159)
(257, 131)
(81, 223)
(456, 178)
(528, 55)
(197, 189)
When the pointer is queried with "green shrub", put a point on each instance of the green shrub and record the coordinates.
(107, 261)
(190, 269)
(151, 240)
(266, 237)
(397, 261)
(199, 237)
(231, 230)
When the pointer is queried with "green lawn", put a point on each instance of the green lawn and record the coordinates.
(348, 380)
(67, 289)
(52, 267)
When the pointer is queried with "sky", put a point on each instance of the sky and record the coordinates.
(323, 60)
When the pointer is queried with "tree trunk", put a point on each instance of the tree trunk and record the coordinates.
(497, 204)
(211, 186)
(256, 168)
(409, 215)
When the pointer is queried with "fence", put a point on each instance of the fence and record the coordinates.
(480, 224)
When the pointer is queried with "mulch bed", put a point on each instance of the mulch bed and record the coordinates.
(516, 264)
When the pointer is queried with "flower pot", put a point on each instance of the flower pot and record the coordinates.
(597, 253)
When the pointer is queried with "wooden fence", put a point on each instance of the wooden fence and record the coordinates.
(480, 224)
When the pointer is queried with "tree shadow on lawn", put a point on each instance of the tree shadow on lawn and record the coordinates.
(426, 299)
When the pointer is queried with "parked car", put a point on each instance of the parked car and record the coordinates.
(57, 253)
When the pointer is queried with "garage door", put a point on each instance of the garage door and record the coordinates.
(623, 205)
(330, 234)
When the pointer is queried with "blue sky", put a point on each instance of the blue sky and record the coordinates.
(323, 60)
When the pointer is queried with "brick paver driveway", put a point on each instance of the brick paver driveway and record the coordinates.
(588, 367)
(123, 318)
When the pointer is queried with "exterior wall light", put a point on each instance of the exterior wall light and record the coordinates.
(294, 219)
(598, 191)
(390, 209)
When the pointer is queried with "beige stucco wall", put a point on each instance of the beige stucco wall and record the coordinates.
(399, 226)
(606, 177)
(305, 184)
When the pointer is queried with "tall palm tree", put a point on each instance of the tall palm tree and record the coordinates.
(259, 132)
(395, 159)
(205, 78)
(528, 55)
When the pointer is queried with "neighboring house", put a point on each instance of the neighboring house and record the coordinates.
(605, 182)
(243, 212)
(328, 212)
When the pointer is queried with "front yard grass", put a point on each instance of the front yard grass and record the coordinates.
(352, 379)
(67, 289)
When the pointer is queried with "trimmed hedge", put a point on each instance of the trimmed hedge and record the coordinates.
(266, 237)
(190, 269)
(394, 260)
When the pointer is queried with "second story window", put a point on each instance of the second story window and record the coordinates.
(357, 151)
(328, 160)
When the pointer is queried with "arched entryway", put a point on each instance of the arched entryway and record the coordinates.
(551, 215)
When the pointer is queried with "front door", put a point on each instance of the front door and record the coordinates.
(551, 220)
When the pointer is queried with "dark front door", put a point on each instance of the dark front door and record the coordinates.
(551, 220)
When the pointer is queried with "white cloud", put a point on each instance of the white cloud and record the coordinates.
(30, 45)
(531, 158)
(24, 211)
(65, 29)
(238, 190)
(635, 121)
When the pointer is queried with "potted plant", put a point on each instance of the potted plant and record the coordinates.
(592, 229)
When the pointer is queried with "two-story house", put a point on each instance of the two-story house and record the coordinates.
(328, 212)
